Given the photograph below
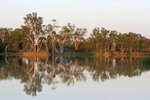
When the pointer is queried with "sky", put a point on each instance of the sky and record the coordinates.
(121, 15)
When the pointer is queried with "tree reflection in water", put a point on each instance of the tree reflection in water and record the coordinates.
(36, 71)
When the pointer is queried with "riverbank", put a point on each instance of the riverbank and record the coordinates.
(28, 54)
(94, 54)
(77, 54)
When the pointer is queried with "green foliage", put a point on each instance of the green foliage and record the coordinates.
(110, 41)
(52, 37)
(16, 40)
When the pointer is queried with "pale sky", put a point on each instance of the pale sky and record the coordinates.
(121, 15)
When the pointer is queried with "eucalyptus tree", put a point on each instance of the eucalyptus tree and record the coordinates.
(78, 36)
(136, 43)
(29, 43)
(3, 33)
(105, 39)
(1, 46)
(83, 46)
(97, 39)
(90, 44)
(112, 39)
(4, 36)
(50, 31)
(16, 40)
(121, 42)
(131, 41)
(64, 35)
(34, 23)
(100, 39)
(144, 45)
(148, 45)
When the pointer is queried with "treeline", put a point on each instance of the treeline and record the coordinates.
(33, 36)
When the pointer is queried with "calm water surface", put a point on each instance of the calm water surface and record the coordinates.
(66, 78)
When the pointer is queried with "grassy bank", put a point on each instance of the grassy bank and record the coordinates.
(138, 54)
(26, 54)
(11, 54)
(79, 54)
(89, 54)
(35, 54)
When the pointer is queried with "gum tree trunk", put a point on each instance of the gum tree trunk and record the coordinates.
(6, 53)
(53, 49)
(61, 50)
(131, 49)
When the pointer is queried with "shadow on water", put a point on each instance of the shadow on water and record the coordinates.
(36, 71)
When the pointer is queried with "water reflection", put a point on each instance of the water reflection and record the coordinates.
(36, 71)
